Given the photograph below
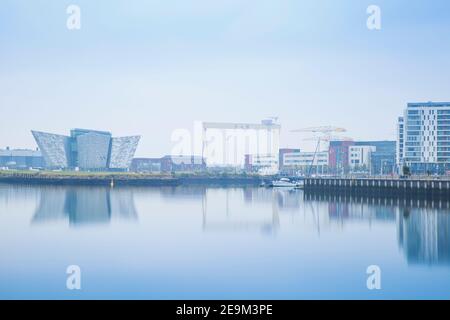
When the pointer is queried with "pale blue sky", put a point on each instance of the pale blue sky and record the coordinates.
(149, 67)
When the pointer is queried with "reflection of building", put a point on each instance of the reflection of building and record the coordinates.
(426, 137)
(222, 215)
(21, 159)
(81, 205)
(425, 236)
(284, 199)
(423, 226)
(343, 208)
(87, 149)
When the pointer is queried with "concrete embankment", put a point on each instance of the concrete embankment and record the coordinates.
(108, 179)
(376, 186)
(221, 180)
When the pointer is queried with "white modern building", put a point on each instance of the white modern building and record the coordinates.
(426, 137)
(305, 159)
(305, 162)
(359, 156)
(400, 141)
(264, 164)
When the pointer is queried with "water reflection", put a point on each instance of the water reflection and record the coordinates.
(424, 235)
(233, 217)
(81, 205)
(422, 226)
(180, 193)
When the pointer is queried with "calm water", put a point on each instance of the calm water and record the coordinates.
(195, 242)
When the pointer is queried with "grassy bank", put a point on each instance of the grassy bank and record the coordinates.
(78, 174)
(125, 178)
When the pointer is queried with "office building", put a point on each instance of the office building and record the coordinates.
(359, 157)
(400, 141)
(21, 159)
(299, 162)
(86, 150)
(168, 164)
(426, 137)
(281, 154)
(183, 163)
(265, 164)
(382, 156)
(146, 165)
(339, 156)
(371, 157)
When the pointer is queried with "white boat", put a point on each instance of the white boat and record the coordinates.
(285, 183)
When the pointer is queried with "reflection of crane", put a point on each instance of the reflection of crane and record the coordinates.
(325, 135)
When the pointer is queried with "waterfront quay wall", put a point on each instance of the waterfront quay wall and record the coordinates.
(380, 186)
(94, 180)
(126, 179)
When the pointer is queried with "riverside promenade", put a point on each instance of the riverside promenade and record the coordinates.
(381, 186)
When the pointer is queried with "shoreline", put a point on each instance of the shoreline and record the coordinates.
(127, 179)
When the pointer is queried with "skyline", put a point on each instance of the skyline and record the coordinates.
(150, 68)
(224, 155)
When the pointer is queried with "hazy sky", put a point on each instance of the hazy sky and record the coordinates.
(149, 67)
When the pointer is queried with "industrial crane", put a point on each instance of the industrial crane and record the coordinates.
(326, 135)
(322, 129)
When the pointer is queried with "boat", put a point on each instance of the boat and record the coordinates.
(286, 183)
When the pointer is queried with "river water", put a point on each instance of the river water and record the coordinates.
(208, 243)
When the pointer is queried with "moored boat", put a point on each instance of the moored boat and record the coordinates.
(286, 183)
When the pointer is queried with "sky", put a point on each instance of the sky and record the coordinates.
(152, 67)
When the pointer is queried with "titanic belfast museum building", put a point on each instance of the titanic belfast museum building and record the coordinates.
(86, 150)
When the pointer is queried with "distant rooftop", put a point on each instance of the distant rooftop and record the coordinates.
(76, 132)
(428, 104)
(20, 153)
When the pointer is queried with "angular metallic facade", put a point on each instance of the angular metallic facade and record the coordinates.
(93, 150)
(54, 148)
(122, 151)
(87, 150)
